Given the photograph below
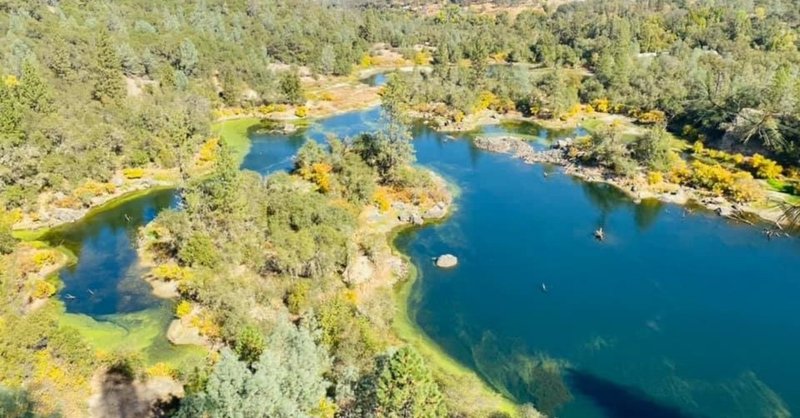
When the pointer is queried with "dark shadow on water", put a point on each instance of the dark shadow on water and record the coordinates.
(619, 401)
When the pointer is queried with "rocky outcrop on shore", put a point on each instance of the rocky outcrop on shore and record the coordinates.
(524, 151)
(636, 190)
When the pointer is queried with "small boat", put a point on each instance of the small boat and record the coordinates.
(600, 234)
(545, 174)
(91, 292)
(68, 296)
(544, 288)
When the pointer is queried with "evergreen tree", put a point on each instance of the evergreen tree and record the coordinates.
(33, 91)
(286, 382)
(291, 88)
(108, 83)
(405, 388)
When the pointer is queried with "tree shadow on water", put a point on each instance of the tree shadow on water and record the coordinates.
(620, 401)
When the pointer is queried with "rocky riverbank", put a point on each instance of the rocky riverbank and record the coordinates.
(55, 209)
(637, 188)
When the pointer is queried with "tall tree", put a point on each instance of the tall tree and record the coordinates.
(108, 83)
(405, 388)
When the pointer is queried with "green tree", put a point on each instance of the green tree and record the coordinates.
(653, 148)
(249, 344)
(291, 88)
(187, 57)
(405, 387)
(33, 90)
(107, 75)
(387, 151)
(287, 381)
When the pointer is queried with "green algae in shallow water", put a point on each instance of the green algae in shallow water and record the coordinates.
(140, 332)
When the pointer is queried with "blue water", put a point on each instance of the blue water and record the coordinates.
(376, 80)
(674, 315)
(107, 277)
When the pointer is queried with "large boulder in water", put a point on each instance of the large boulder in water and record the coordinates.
(446, 261)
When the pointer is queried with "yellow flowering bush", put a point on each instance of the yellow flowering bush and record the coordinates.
(43, 289)
(381, 198)
(208, 151)
(172, 271)
(45, 258)
(654, 177)
(133, 173)
(161, 369)
(183, 308)
(763, 167)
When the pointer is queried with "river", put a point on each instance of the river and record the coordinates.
(676, 314)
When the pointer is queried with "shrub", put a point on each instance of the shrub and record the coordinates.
(763, 167)
(200, 250)
(7, 241)
(698, 147)
(366, 61)
(601, 105)
(249, 344)
(161, 369)
(172, 271)
(43, 289)
(381, 198)
(297, 297)
(44, 258)
(183, 308)
(738, 185)
(209, 150)
(133, 173)
(652, 117)
(421, 58)
(654, 177)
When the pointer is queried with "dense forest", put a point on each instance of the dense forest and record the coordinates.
(93, 88)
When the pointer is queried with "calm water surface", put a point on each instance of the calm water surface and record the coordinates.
(675, 315)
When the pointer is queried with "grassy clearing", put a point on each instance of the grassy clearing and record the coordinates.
(235, 134)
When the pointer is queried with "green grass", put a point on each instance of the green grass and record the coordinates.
(234, 133)
(781, 186)
(592, 124)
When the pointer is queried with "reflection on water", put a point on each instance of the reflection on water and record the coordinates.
(674, 315)
(107, 278)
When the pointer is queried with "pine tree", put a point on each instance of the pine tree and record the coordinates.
(405, 388)
(33, 91)
(108, 84)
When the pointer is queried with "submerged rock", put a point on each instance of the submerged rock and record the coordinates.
(446, 261)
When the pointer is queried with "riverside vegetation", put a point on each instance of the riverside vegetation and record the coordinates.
(96, 96)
